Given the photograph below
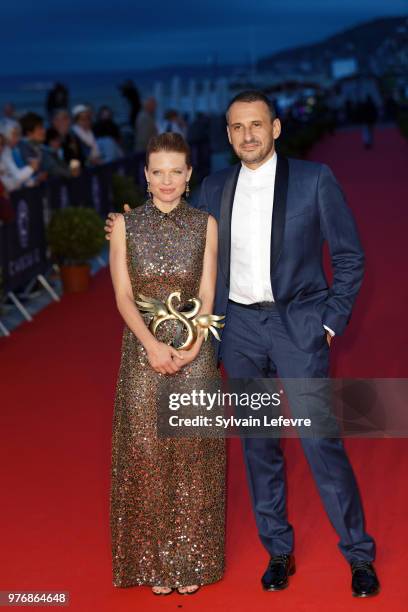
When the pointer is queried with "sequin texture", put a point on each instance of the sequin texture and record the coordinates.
(167, 497)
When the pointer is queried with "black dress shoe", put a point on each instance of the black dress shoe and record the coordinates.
(277, 573)
(364, 581)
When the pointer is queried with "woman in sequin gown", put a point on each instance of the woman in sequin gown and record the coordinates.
(167, 494)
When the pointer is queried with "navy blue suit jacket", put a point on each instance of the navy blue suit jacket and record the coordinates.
(309, 207)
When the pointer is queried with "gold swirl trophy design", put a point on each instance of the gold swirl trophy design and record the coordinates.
(166, 311)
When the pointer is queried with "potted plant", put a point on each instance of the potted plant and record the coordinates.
(75, 235)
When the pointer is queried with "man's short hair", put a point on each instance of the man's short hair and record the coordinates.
(52, 134)
(29, 122)
(252, 95)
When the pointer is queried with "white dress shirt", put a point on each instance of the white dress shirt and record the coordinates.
(251, 225)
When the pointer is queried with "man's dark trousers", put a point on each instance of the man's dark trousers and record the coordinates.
(255, 344)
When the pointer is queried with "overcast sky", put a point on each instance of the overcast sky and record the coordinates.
(40, 36)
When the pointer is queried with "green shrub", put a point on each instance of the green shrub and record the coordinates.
(75, 235)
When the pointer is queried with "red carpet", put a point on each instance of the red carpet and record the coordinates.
(58, 376)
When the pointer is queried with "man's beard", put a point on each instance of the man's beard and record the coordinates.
(254, 157)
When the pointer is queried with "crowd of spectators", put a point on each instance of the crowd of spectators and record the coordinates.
(33, 149)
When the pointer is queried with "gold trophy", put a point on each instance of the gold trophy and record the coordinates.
(166, 311)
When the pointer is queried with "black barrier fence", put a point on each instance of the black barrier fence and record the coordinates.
(94, 186)
(23, 246)
(2, 254)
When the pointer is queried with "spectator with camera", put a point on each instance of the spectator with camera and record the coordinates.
(70, 143)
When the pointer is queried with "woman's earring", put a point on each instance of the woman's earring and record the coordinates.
(187, 189)
(149, 193)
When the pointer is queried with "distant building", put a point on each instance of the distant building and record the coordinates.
(344, 67)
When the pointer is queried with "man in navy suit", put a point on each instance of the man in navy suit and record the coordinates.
(274, 215)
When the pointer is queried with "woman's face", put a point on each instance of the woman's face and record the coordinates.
(84, 119)
(167, 174)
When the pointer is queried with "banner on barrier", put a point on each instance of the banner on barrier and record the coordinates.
(2, 257)
(24, 239)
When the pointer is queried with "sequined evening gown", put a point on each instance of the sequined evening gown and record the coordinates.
(167, 495)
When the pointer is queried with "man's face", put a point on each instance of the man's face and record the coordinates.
(252, 132)
(38, 133)
(62, 123)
